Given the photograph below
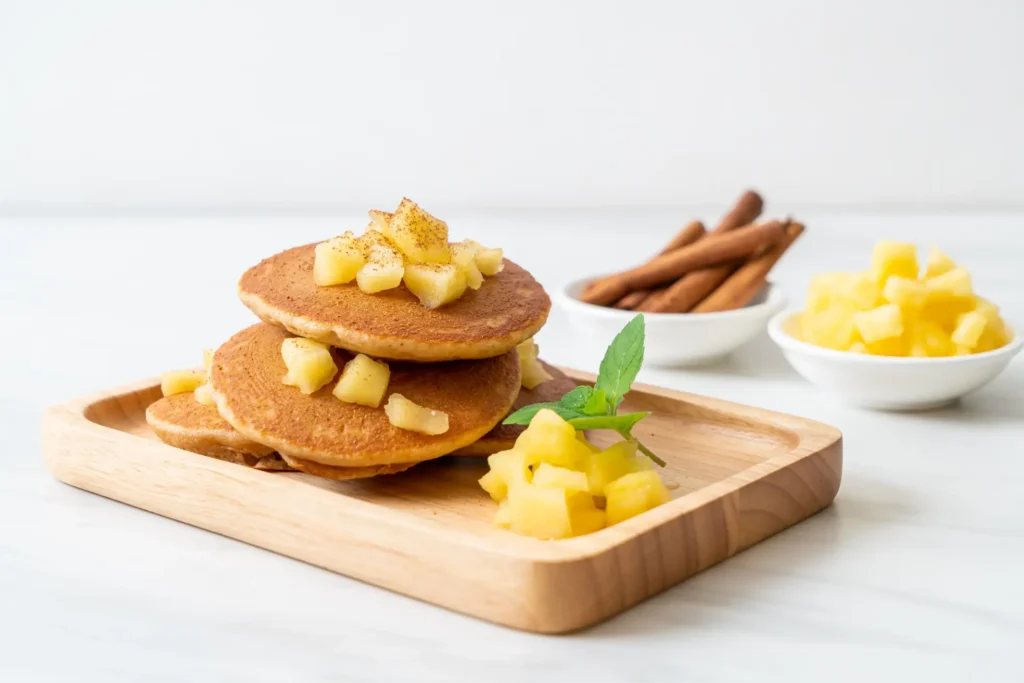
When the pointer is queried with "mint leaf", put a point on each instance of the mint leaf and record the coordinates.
(577, 399)
(597, 404)
(525, 414)
(622, 362)
(620, 423)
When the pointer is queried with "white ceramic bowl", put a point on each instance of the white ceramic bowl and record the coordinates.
(887, 383)
(675, 339)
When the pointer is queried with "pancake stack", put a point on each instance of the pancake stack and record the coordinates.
(460, 359)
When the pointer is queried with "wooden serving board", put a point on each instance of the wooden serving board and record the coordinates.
(741, 475)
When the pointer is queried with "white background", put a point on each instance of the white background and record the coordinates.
(223, 105)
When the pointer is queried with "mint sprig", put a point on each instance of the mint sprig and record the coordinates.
(597, 407)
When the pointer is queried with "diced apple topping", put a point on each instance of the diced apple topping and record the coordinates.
(337, 260)
(363, 381)
(420, 236)
(533, 373)
(204, 394)
(406, 414)
(378, 259)
(181, 381)
(309, 363)
(434, 284)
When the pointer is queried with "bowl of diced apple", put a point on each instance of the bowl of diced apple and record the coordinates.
(891, 339)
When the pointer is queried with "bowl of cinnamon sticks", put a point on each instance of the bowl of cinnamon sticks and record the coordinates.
(703, 296)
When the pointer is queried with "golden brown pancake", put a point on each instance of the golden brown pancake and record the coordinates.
(183, 422)
(246, 384)
(344, 473)
(503, 437)
(509, 307)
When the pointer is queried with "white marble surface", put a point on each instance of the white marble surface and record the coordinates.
(915, 573)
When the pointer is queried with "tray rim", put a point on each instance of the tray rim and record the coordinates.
(812, 438)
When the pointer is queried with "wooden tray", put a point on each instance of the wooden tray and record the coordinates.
(743, 474)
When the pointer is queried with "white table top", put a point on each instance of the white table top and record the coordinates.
(915, 573)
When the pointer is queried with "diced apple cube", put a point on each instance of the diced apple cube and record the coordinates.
(377, 277)
(204, 395)
(552, 477)
(420, 236)
(532, 372)
(606, 466)
(938, 263)
(434, 284)
(832, 328)
(463, 255)
(337, 261)
(880, 323)
(928, 339)
(309, 363)
(905, 292)
(379, 220)
(181, 381)
(894, 258)
(859, 290)
(539, 512)
(584, 516)
(955, 283)
(363, 381)
(489, 261)
(633, 494)
(406, 414)
(969, 328)
(495, 485)
(207, 361)
(858, 347)
(511, 467)
(550, 439)
(503, 517)
(824, 290)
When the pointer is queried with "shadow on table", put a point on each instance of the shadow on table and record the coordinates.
(750, 579)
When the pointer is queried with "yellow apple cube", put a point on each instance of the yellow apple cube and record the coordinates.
(379, 220)
(495, 485)
(363, 381)
(880, 323)
(204, 395)
(969, 328)
(858, 347)
(406, 414)
(539, 512)
(420, 236)
(952, 284)
(859, 290)
(824, 290)
(463, 255)
(208, 361)
(906, 293)
(894, 258)
(377, 277)
(181, 381)
(584, 516)
(490, 261)
(606, 466)
(552, 477)
(632, 494)
(551, 439)
(532, 372)
(309, 364)
(337, 261)
(434, 284)
(832, 328)
(938, 263)
(511, 468)
(929, 340)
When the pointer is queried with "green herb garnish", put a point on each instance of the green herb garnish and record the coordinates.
(597, 407)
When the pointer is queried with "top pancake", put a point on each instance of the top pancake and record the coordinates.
(245, 379)
(509, 308)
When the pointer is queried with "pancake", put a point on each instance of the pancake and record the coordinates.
(245, 380)
(509, 308)
(183, 422)
(503, 437)
(344, 473)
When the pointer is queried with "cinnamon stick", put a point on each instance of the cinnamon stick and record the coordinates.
(747, 281)
(692, 287)
(633, 299)
(711, 250)
(692, 232)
